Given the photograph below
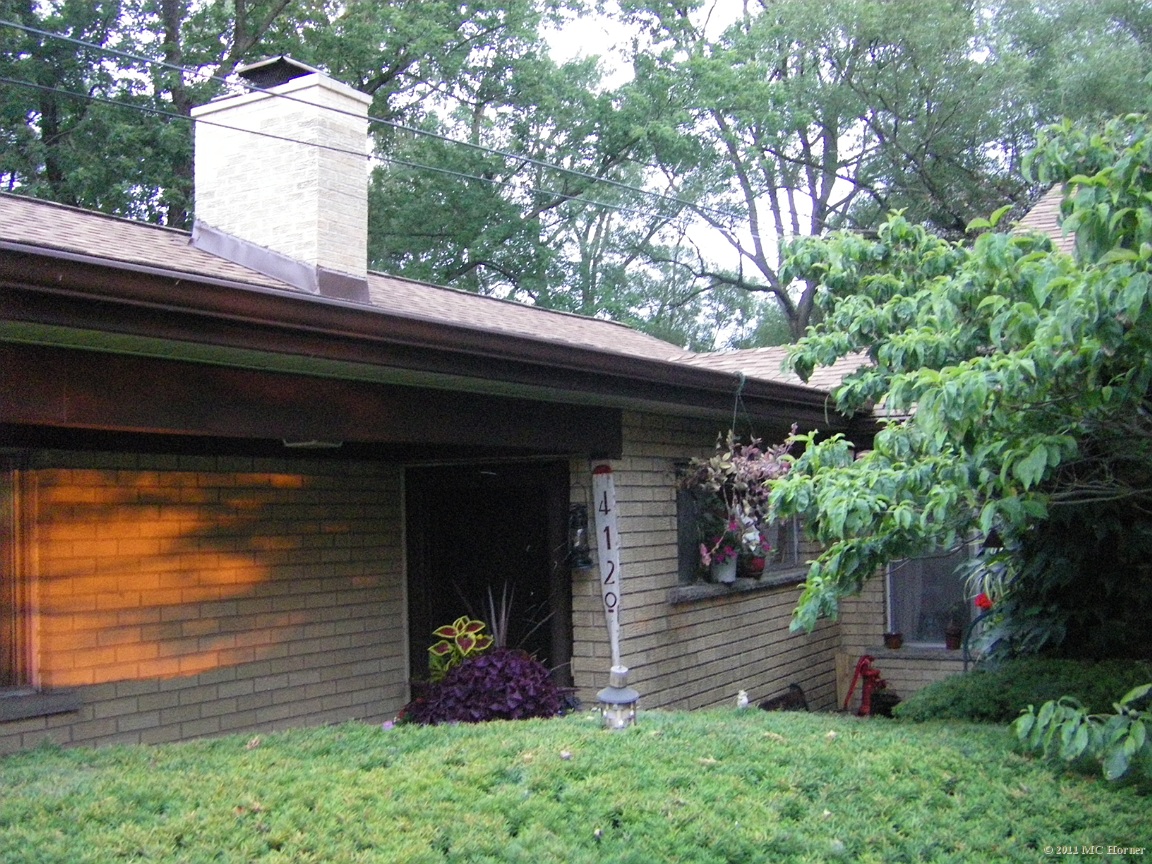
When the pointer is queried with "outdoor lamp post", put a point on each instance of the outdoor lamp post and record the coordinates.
(618, 701)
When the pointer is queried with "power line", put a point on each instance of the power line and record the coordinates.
(529, 160)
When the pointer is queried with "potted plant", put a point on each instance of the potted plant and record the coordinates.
(733, 486)
(955, 620)
(720, 540)
(754, 556)
(723, 560)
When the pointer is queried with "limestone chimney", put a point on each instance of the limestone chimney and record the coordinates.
(282, 179)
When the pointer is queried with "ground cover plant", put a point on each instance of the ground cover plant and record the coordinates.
(715, 786)
(997, 694)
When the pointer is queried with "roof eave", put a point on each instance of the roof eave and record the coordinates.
(61, 288)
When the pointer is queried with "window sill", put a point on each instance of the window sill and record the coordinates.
(710, 590)
(20, 704)
(918, 652)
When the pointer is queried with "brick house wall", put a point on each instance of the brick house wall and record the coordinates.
(686, 647)
(188, 596)
(863, 620)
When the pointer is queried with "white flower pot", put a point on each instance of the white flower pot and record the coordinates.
(724, 571)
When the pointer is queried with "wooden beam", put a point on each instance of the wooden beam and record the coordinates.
(60, 387)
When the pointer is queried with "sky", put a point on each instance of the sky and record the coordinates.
(599, 35)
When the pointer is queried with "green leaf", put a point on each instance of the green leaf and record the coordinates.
(1116, 763)
(998, 214)
(1115, 256)
(1074, 740)
(1030, 470)
(1023, 724)
(1134, 296)
(1135, 694)
(1138, 734)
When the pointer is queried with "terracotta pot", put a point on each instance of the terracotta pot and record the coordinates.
(952, 637)
(750, 568)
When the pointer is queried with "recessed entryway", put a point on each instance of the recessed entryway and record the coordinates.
(499, 529)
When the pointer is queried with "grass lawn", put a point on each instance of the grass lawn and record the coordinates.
(720, 786)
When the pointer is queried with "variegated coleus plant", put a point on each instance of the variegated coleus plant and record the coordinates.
(459, 640)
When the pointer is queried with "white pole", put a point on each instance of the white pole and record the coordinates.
(608, 547)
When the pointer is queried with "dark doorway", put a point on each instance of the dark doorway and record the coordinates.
(496, 530)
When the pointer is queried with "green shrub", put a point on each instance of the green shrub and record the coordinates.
(999, 695)
(1118, 741)
(702, 787)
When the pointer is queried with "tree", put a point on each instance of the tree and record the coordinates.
(804, 116)
(1014, 391)
(808, 115)
(92, 127)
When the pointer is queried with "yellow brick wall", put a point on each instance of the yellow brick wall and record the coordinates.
(697, 653)
(193, 596)
(863, 620)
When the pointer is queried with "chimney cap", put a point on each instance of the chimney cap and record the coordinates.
(273, 71)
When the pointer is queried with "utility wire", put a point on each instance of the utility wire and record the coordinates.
(148, 109)
(679, 202)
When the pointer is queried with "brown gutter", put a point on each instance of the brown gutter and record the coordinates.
(68, 289)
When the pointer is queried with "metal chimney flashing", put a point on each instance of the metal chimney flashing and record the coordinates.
(310, 279)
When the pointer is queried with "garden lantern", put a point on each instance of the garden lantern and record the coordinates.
(618, 701)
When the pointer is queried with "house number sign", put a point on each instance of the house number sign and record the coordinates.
(608, 549)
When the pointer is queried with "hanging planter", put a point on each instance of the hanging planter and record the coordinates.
(732, 488)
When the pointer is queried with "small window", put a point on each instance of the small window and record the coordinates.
(13, 628)
(926, 597)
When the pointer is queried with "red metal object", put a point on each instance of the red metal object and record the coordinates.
(872, 682)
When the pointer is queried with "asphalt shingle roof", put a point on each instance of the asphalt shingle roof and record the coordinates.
(1045, 218)
(767, 363)
(49, 226)
(122, 241)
